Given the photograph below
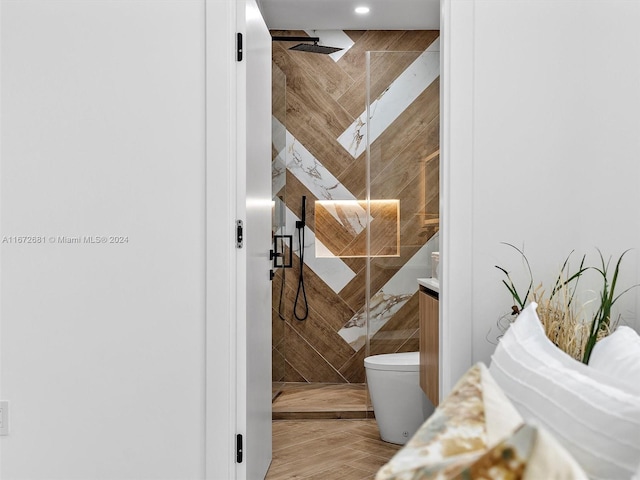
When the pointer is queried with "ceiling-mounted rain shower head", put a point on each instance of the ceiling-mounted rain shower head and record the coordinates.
(315, 48)
(306, 47)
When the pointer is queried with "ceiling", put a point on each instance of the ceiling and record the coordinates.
(340, 15)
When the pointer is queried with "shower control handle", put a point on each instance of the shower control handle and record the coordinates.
(273, 254)
(282, 241)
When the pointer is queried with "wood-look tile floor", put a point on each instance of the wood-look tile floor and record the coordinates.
(321, 400)
(327, 450)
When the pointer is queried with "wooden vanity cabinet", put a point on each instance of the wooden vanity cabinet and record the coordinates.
(429, 343)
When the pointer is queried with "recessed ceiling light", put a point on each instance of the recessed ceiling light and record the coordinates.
(362, 10)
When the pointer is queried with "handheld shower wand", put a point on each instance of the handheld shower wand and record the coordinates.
(300, 227)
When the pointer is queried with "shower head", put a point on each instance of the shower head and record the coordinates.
(306, 47)
(315, 48)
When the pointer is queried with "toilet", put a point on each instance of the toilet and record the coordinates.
(399, 404)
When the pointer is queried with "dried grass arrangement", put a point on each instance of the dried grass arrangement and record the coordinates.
(563, 322)
(566, 322)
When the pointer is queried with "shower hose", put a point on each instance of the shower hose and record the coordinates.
(305, 304)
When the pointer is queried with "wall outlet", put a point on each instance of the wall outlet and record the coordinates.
(4, 418)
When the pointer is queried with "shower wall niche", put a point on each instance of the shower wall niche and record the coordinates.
(361, 131)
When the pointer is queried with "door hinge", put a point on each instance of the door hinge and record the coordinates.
(239, 234)
(239, 448)
(239, 50)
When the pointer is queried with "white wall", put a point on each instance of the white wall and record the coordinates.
(103, 133)
(541, 148)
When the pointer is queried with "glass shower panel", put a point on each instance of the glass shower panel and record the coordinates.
(402, 141)
(278, 190)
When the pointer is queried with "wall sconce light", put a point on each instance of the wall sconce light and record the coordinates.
(341, 228)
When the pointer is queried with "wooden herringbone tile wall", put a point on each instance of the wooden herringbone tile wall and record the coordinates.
(324, 97)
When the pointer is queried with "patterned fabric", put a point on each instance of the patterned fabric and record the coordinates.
(474, 417)
(529, 454)
(476, 433)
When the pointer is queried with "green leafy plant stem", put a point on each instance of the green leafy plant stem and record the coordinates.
(568, 283)
(602, 318)
(520, 301)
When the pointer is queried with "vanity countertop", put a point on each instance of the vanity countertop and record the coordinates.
(432, 284)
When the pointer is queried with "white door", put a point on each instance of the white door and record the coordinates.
(254, 386)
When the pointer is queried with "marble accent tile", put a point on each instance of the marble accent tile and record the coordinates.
(333, 38)
(333, 271)
(351, 214)
(321, 182)
(389, 299)
(387, 69)
(393, 101)
(412, 137)
(313, 175)
(278, 164)
(278, 177)
(398, 330)
(382, 307)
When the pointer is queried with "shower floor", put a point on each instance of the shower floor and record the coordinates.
(322, 400)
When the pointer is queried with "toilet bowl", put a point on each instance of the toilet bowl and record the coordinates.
(399, 404)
